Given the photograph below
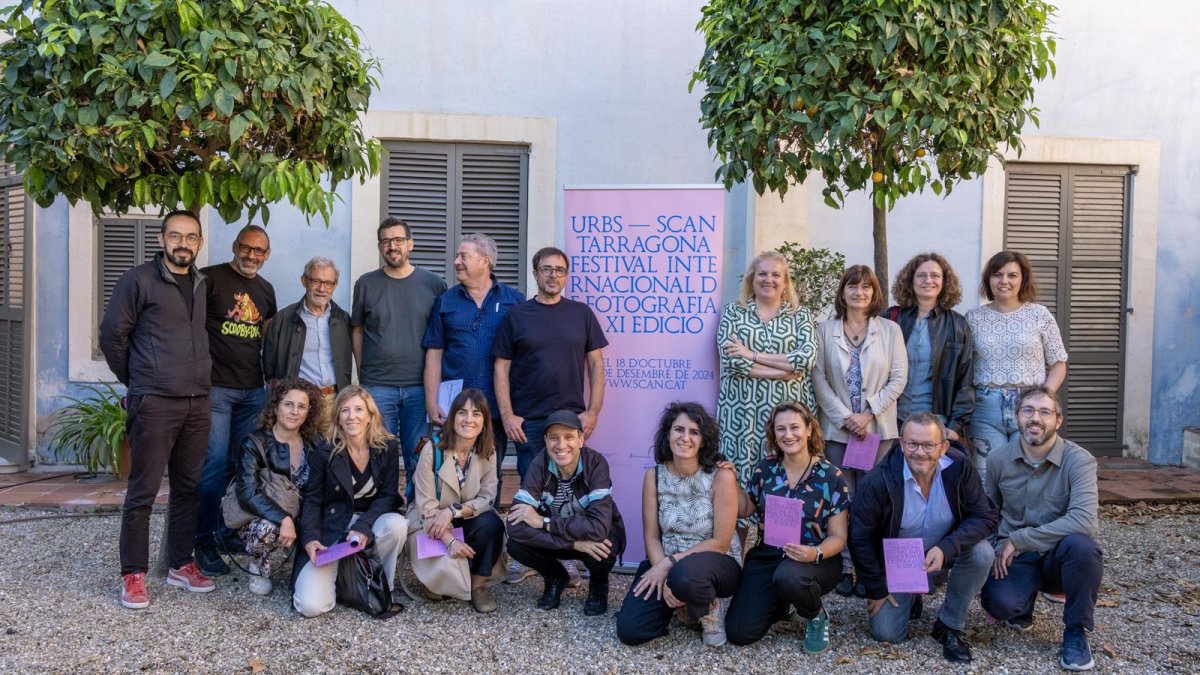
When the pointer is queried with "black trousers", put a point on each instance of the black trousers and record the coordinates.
(696, 581)
(172, 434)
(501, 438)
(770, 582)
(485, 535)
(545, 561)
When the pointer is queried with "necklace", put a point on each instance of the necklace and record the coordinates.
(811, 460)
(855, 337)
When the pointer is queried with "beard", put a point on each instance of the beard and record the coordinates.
(395, 259)
(181, 257)
(1037, 435)
(247, 266)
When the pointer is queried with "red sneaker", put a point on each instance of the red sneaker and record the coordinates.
(189, 577)
(133, 591)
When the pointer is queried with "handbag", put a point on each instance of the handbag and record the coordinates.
(277, 488)
(363, 585)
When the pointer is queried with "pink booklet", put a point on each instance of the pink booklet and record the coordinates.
(860, 452)
(337, 552)
(429, 548)
(782, 520)
(904, 560)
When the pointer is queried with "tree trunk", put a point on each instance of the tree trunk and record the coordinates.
(879, 232)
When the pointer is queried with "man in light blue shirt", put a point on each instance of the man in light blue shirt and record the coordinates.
(311, 338)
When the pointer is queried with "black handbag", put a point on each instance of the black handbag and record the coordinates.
(363, 585)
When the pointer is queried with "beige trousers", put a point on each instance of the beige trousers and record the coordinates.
(315, 587)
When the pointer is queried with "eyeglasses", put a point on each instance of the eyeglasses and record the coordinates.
(394, 241)
(548, 271)
(292, 405)
(1029, 411)
(913, 446)
(321, 283)
(244, 249)
(175, 238)
(928, 277)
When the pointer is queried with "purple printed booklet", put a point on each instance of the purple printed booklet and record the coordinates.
(429, 548)
(860, 452)
(337, 552)
(782, 520)
(904, 560)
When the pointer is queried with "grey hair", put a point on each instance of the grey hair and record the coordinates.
(926, 419)
(486, 246)
(320, 261)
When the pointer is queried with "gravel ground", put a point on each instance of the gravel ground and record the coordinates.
(58, 591)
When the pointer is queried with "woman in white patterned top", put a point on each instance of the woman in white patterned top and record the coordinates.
(689, 508)
(1017, 345)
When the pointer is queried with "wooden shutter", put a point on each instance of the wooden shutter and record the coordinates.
(1072, 223)
(446, 190)
(14, 280)
(123, 242)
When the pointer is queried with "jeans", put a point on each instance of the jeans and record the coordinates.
(316, 587)
(696, 580)
(164, 433)
(770, 582)
(403, 411)
(994, 422)
(535, 443)
(1074, 567)
(234, 414)
(968, 572)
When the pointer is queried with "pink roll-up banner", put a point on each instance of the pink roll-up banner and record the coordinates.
(648, 261)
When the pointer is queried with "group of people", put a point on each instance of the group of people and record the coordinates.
(256, 405)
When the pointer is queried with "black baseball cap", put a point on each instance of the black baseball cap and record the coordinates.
(565, 418)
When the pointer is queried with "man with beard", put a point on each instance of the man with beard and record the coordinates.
(1045, 487)
(542, 348)
(311, 338)
(462, 326)
(390, 309)
(154, 340)
(240, 303)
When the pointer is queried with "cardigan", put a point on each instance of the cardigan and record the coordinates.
(884, 360)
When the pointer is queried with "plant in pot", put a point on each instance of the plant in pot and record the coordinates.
(90, 430)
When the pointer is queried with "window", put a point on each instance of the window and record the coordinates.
(446, 190)
(122, 242)
(1072, 221)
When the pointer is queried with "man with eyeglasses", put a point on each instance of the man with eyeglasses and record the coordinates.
(154, 340)
(240, 303)
(929, 490)
(542, 349)
(310, 339)
(1046, 489)
(390, 309)
(461, 329)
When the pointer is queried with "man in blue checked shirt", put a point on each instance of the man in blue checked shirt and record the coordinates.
(461, 328)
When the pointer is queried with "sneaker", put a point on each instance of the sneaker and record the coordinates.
(597, 599)
(482, 600)
(1076, 654)
(517, 573)
(209, 562)
(1059, 598)
(133, 591)
(190, 578)
(816, 636)
(1021, 623)
(713, 624)
(573, 574)
(260, 584)
(845, 587)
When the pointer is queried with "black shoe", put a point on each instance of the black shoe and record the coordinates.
(210, 562)
(845, 587)
(860, 590)
(597, 599)
(955, 647)
(917, 607)
(553, 592)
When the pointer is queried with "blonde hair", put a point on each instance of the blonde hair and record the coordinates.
(789, 288)
(377, 435)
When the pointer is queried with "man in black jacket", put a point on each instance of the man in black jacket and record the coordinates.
(929, 491)
(154, 341)
(311, 338)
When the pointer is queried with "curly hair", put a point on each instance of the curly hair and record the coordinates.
(789, 288)
(1029, 289)
(856, 274)
(311, 427)
(485, 444)
(710, 437)
(377, 435)
(902, 288)
(816, 441)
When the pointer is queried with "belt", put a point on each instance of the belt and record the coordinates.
(325, 391)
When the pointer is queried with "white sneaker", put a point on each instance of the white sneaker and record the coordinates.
(259, 585)
(713, 624)
(572, 568)
(517, 573)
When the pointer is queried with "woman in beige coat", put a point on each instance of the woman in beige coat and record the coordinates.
(861, 369)
(456, 482)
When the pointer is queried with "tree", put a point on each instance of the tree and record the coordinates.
(890, 94)
(233, 104)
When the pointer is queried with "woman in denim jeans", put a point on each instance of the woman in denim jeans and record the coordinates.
(1017, 345)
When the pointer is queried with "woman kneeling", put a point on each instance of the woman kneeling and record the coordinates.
(689, 508)
(796, 574)
(456, 482)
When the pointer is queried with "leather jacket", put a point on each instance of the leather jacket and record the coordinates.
(952, 362)
(252, 457)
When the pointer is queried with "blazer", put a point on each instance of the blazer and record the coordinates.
(884, 361)
(444, 575)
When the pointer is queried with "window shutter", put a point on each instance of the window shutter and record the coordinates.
(14, 230)
(418, 189)
(123, 242)
(1034, 212)
(493, 203)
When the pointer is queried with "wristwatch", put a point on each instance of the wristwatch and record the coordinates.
(820, 554)
(456, 510)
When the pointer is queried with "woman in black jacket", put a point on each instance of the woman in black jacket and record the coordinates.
(351, 495)
(287, 433)
(940, 349)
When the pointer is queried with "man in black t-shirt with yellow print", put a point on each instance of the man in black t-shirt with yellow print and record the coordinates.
(240, 303)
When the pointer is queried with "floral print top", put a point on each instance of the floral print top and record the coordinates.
(824, 493)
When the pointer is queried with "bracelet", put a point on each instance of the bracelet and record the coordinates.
(820, 554)
(673, 559)
(753, 357)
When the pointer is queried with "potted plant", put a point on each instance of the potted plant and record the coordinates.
(90, 430)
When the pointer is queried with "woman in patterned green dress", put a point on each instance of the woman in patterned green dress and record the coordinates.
(767, 347)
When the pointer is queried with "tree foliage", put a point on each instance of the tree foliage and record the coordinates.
(233, 104)
(815, 273)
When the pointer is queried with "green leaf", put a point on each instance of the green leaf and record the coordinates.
(206, 40)
(157, 60)
(167, 85)
(223, 101)
(119, 7)
(237, 127)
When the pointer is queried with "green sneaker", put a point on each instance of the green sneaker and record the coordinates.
(816, 636)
